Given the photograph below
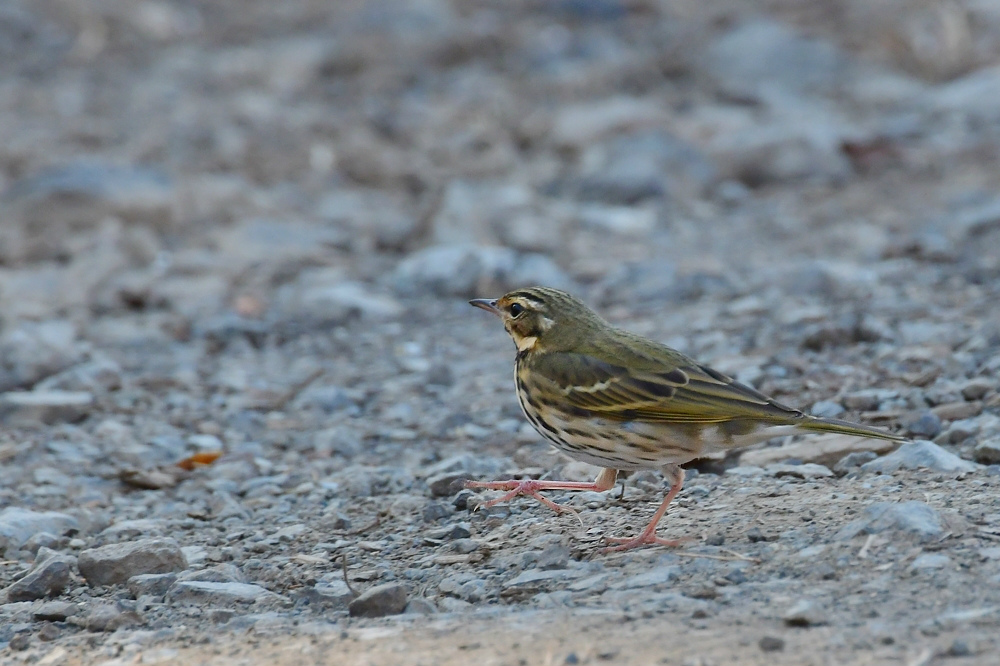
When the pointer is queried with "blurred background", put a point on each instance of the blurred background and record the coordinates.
(183, 158)
(249, 228)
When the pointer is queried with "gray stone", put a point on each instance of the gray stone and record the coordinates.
(55, 611)
(332, 592)
(116, 563)
(379, 601)
(976, 388)
(155, 585)
(220, 573)
(47, 579)
(987, 452)
(805, 471)
(446, 485)
(867, 399)
(206, 593)
(108, 617)
(961, 430)
(86, 192)
(654, 578)
(763, 59)
(470, 270)
(771, 644)
(913, 517)
(449, 532)
(930, 561)
(323, 296)
(18, 525)
(853, 461)
(927, 426)
(806, 613)
(419, 606)
(917, 455)
(464, 586)
(32, 351)
(34, 407)
(827, 409)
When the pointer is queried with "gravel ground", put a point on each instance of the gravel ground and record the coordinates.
(249, 229)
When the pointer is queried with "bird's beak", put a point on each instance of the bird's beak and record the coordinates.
(486, 304)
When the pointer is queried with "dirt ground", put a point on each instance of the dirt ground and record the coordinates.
(240, 383)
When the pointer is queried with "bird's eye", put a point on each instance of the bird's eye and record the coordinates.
(516, 309)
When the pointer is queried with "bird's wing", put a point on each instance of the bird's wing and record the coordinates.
(685, 393)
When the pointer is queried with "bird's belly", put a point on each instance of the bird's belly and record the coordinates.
(629, 445)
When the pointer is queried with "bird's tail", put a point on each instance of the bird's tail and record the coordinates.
(816, 424)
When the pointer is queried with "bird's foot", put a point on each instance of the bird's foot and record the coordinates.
(647, 538)
(530, 488)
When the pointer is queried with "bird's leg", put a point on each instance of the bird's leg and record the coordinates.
(531, 487)
(675, 475)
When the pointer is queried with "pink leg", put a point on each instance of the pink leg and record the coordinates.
(530, 487)
(675, 475)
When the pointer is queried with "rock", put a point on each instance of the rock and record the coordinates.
(971, 95)
(926, 561)
(804, 471)
(155, 585)
(805, 613)
(220, 573)
(372, 214)
(322, 296)
(927, 426)
(771, 644)
(47, 579)
(987, 452)
(853, 461)
(825, 450)
(55, 611)
(208, 593)
(55, 201)
(577, 126)
(917, 455)
(464, 586)
(763, 59)
(32, 351)
(827, 409)
(447, 484)
(18, 525)
(449, 532)
(379, 601)
(34, 407)
(108, 617)
(469, 270)
(116, 563)
(867, 400)
(958, 410)
(419, 606)
(662, 576)
(332, 592)
(976, 388)
(914, 517)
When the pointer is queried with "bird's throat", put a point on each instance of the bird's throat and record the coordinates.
(526, 343)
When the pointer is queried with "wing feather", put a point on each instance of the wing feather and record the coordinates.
(695, 395)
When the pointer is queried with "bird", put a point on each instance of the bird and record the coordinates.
(620, 401)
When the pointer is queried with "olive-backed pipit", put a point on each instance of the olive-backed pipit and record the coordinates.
(615, 399)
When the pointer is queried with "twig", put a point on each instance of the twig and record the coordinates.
(365, 528)
(343, 568)
(732, 556)
(923, 658)
(293, 391)
(863, 553)
(741, 556)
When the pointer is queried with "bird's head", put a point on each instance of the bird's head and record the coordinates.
(542, 318)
